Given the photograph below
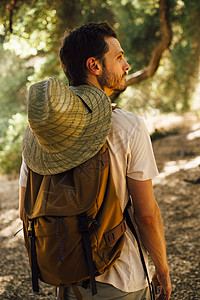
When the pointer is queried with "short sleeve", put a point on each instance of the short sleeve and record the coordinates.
(23, 173)
(141, 164)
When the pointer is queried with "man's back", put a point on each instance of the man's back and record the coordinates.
(128, 143)
(92, 55)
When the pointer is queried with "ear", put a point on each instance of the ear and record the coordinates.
(93, 66)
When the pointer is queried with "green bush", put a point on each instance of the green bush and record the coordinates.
(10, 151)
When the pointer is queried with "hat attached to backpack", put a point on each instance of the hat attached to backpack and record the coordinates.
(67, 126)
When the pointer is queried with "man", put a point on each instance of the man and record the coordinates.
(92, 55)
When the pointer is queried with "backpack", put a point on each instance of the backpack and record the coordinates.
(73, 223)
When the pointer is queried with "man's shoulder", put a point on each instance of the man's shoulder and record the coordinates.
(125, 118)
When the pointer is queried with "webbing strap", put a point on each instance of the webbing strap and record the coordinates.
(61, 293)
(113, 235)
(34, 266)
(84, 228)
(132, 228)
(77, 292)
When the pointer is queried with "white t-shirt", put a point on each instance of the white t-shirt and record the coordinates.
(131, 155)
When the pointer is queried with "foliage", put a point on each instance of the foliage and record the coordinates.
(160, 92)
(186, 49)
(138, 28)
(30, 33)
(13, 92)
(13, 95)
(173, 85)
(10, 154)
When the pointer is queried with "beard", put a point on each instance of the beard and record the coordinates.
(116, 83)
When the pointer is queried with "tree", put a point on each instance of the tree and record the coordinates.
(164, 66)
(68, 13)
(164, 43)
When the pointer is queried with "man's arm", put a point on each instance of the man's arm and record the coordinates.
(22, 191)
(149, 222)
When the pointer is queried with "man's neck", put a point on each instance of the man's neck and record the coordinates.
(94, 81)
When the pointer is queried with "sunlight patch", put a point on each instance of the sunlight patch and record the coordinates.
(193, 135)
(171, 167)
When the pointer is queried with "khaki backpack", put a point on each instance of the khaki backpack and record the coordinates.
(73, 224)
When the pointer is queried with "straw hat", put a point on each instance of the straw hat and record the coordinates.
(67, 126)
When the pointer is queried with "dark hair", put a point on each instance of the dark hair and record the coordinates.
(80, 44)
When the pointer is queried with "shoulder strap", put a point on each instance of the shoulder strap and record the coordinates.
(84, 228)
(132, 228)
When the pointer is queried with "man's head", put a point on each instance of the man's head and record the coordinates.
(89, 55)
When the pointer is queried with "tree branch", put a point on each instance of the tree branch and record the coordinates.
(11, 6)
(166, 37)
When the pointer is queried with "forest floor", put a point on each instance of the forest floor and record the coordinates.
(177, 192)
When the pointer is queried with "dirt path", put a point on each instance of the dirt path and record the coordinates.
(178, 159)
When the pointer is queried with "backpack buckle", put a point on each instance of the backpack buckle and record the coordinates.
(30, 228)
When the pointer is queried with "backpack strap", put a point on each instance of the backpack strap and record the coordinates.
(84, 228)
(77, 292)
(113, 235)
(61, 292)
(34, 266)
(132, 228)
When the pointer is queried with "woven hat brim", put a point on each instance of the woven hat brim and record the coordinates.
(93, 137)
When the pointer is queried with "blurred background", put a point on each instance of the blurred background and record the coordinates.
(30, 33)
